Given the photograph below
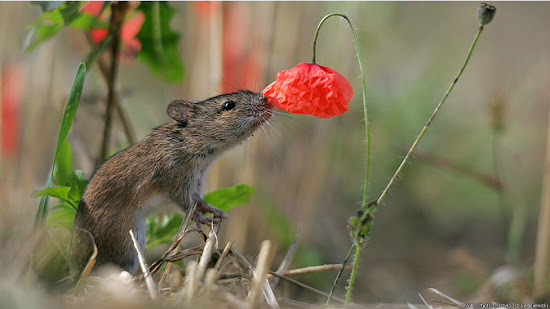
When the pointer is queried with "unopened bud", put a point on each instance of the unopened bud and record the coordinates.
(485, 13)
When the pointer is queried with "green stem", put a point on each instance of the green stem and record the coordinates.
(353, 271)
(329, 298)
(415, 143)
(364, 204)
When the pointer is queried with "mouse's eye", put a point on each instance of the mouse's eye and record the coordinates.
(229, 105)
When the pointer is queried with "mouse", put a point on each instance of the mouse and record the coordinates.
(167, 166)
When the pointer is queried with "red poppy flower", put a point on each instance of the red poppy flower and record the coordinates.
(310, 89)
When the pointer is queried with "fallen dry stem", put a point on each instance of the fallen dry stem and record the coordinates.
(313, 269)
(305, 286)
(175, 245)
(209, 247)
(286, 261)
(224, 254)
(148, 279)
(89, 265)
(265, 258)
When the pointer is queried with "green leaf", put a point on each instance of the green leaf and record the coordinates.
(61, 192)
(77, 181)
(159, 43)
(63, 206)
(49, 23)
(47, 5)
(227, 198)
(70, 11)
(68, 115)
(44, 33)
(62, 218)
(162, 229)
(63, 164)
(71, 107)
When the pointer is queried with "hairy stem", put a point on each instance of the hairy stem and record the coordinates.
(364, 204)
(353, 271)
(437, 108)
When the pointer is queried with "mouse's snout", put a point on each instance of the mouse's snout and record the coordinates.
(265, 109)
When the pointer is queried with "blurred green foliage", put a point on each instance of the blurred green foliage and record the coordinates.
(159, 43)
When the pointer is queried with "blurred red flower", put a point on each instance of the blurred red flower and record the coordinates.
(130, 28)
(311, 89)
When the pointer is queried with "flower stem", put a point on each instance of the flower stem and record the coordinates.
(364, 84)
(358, 246)
(437, 108)
(364, 205)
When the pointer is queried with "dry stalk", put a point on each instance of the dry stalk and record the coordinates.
(311, 270)
(89, 265)
(286, 261)
(183, 254)
(307, 287)
(190, 286)
(209, 247)
(245, 264)
(224, 253)
(176, 244)
(153, 291)
(264, 262)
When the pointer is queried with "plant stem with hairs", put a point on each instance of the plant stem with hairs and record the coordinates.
(361, 225)
(364, 204)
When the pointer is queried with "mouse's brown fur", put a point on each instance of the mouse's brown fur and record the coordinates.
(168, 165)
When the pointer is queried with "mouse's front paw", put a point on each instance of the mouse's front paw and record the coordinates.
(203, 206)
(200, 219)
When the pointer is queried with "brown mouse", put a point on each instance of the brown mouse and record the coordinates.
(169, 165)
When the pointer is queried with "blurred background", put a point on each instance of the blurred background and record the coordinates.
(447, 223)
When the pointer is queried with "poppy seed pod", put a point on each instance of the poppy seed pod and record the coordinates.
(311, 89)
(485, 13)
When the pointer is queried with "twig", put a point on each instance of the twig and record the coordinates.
(118, 10)
(449, 300)
(209, 248)
(184, 254)
(190, 285)
(312, 269)
(224, 253)
(245, 264)
(148, 279)
(286, 261)
(176, 244)
(89, 265)
(339, 275)
(265, 258)
(305, 286)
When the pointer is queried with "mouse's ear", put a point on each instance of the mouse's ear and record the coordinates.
(180, 111)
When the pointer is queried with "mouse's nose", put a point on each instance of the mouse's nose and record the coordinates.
(265, 102)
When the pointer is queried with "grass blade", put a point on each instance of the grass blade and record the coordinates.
(66, 122)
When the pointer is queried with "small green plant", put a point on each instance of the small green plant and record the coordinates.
(161, 229)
